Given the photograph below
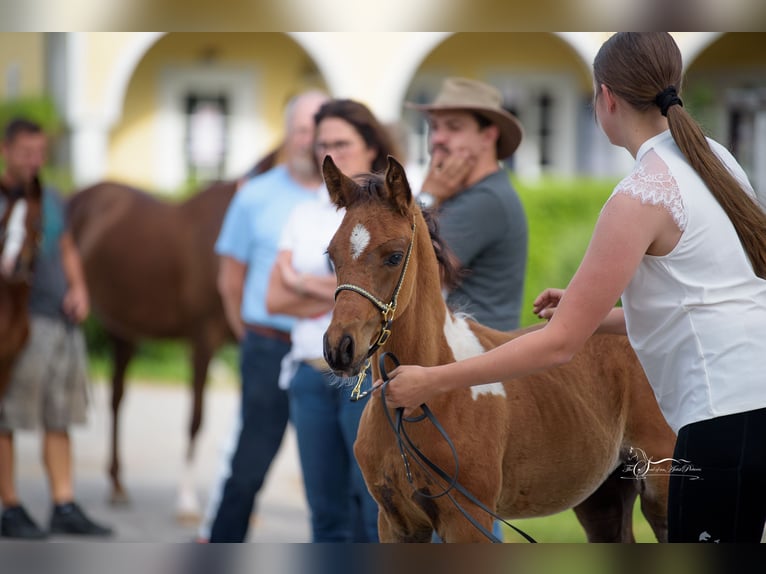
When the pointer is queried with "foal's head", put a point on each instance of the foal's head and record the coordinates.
(370, 252)
(20, 221)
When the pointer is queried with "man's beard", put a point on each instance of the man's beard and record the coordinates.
(304, 166)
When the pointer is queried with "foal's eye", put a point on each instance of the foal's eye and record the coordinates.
(394, 259)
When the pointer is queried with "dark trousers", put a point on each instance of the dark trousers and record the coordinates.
(264, 418)
(326, 423)
(727, 502)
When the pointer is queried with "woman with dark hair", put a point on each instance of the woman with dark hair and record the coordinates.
(683, 242)
(303, 285)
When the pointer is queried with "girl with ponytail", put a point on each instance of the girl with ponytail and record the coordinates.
(682, 242)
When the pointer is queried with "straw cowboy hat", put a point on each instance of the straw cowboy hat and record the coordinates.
(484, 99)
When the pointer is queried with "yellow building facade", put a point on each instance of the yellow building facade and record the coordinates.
(159, 110)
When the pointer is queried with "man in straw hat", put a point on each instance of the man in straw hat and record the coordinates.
(480, 215)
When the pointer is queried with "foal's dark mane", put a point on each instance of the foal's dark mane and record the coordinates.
(371, 188)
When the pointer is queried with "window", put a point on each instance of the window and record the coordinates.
(206, 135)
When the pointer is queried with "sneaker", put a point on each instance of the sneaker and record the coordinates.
(70, 519)
(16, 523)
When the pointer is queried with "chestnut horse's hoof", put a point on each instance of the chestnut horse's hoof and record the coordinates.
(119, 498)
(186, 518)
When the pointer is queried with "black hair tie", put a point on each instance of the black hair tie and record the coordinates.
(666, 98)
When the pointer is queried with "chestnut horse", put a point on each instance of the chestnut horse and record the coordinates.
(530, 447)
(20, 225)
(151, 272)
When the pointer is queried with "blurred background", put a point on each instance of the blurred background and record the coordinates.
(170, 112)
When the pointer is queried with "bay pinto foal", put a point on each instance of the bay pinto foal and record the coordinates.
(151, 273)
(530, 447)
(20, 224)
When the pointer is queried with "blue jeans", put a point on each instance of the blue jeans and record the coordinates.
(264, 417)
(326, 422)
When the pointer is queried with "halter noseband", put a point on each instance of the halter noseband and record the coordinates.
(386, 309)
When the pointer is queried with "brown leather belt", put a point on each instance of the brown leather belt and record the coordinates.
(269, 332)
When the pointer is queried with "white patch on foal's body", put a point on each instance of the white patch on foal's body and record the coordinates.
(360, 239)
(464, 344)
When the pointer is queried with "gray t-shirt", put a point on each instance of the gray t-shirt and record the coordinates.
(486, 227)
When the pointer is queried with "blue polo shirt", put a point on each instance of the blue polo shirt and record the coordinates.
(250, 234)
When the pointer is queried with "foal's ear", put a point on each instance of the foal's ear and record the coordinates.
(339, 185)
(400, 195)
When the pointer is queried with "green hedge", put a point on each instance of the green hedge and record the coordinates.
(561, 215)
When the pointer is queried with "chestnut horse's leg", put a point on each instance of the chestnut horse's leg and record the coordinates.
(204, 345)
(607, 514)
(123, 351)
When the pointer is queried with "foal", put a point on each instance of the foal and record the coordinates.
(20, 222)
(533, 446)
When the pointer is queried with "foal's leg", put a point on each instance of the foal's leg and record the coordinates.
(607, 514)
(387, 532)
(454, 526)
(123, 351)
(654, 503)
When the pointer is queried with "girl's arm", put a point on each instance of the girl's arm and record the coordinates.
(544, 306)
(624, 232)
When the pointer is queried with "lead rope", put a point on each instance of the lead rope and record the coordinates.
(406, 446)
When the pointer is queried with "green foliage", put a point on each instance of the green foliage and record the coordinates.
(565, 528)
(39, 109)
(162, 361)
(561, 215)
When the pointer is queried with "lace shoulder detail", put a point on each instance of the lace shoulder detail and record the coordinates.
(652, 183)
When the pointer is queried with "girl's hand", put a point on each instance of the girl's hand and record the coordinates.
(409, 387)
(544, 306)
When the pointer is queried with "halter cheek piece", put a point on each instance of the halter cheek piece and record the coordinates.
(386, 309)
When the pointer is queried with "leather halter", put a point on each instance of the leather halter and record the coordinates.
(386, 309)
(25, 260)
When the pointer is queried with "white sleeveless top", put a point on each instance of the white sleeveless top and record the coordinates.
(696, 316)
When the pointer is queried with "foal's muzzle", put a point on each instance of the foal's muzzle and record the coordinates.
(341, 358)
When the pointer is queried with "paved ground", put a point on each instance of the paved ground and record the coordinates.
(154, 423)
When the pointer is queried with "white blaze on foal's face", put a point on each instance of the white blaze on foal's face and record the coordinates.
(464, 344)
(360, 239)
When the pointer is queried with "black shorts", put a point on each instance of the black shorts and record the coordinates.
(723, 497)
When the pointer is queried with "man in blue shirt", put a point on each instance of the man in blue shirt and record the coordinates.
(247, 246)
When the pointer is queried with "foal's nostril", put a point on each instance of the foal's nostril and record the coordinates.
(346, 351)
(339, 358)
